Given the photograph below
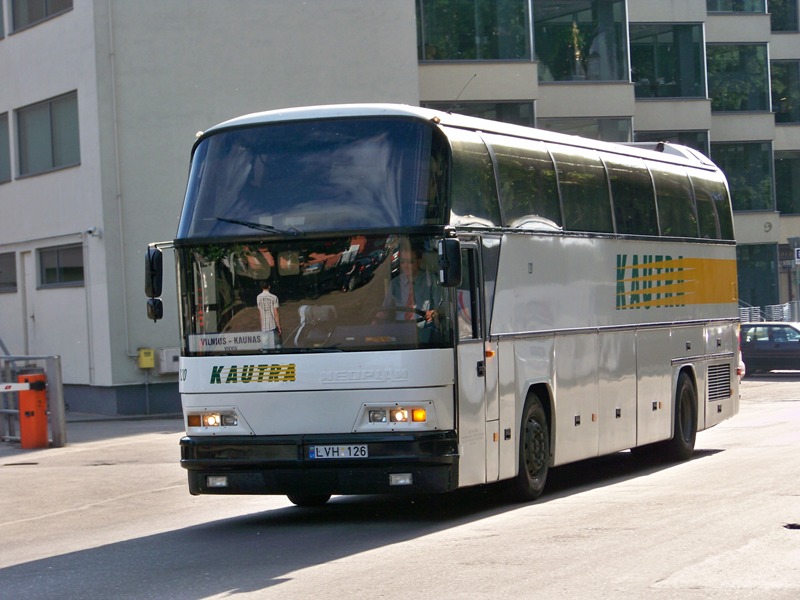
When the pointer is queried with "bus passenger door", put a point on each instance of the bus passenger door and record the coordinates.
(475, 464)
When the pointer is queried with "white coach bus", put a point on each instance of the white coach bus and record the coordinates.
(572, 298)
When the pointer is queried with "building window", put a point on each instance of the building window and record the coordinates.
(783, 15)
(758, 273)
(5, 151)
(581, 40)
(667, 61)
(697, 140)
(787, 181)
(518, 113)
(750, 6)
(25, 13)
(8, 272)
(473, 30)
(48, 135)
(738, 77)
(748, 167)
(607, 129)
(61, 266)
(786, 91)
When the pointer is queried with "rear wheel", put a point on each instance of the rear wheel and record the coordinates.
(534, 452)
(681, 446)
(306, 500)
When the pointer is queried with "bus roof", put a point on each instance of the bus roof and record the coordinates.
(661, 151)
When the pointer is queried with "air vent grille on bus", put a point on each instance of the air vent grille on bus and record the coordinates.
(719, 381)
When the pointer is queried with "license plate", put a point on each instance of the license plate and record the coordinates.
(354, 451)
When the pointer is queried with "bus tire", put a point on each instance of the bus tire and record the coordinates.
(308, 500)
(534, 452)
(681, 446)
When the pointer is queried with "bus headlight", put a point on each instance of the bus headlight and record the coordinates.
(377, 415)
(406, 415)
(212, 419)
(399, 415)
(414, 416)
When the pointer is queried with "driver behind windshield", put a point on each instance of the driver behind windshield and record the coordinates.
(415, 288)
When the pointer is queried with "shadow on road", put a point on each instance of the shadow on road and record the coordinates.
(261, 550)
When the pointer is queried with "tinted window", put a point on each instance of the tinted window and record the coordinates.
(738, 77)
(473, 30)
(584, 189)
(713, 206)
(581, 40)
(633, 195)
(527, 181)
(748, 167)
(48, 135)
(668, 60)
(62, 265)
(473, 189)
(5, 152)
(8, 272)
(676, 212)
(316, 176)
(348, 293)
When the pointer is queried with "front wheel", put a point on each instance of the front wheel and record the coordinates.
(534, 452)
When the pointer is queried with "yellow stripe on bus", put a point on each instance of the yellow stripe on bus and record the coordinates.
(678, 282)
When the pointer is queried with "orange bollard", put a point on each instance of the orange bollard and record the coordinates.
(33, 412)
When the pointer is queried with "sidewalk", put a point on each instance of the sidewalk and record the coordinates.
(82, 428)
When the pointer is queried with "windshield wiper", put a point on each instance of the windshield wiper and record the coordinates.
(261, 226)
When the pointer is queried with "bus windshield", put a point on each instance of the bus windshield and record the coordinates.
(348, 293)
(310, 176)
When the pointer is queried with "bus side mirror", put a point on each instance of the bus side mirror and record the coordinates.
(155, 309)
(153, 278)
(450, 262)
(153, 272)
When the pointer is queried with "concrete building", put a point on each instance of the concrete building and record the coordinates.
(102, 98)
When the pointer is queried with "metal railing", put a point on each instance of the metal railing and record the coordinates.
(11, 367)
(790, 311)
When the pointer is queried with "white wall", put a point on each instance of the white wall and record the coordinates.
(36, 64)
(184, 65)
(150, 74)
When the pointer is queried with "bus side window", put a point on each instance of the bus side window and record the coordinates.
(713, 207)
(527, 181)
(473, 193)
(584, 189)
(676, 210)
(632, 194)
(469, 323)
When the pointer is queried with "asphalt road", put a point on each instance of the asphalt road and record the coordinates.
(109, 516)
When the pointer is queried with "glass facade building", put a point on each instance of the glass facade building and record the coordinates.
(719, 76)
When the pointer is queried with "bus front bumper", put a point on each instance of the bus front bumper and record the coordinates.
(395, 463)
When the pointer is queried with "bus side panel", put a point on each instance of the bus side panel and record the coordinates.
(472, 426)
(617, 391)
(654, 377)
(509, 408)
(527, 362)
(720, 339)
(576, 387)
